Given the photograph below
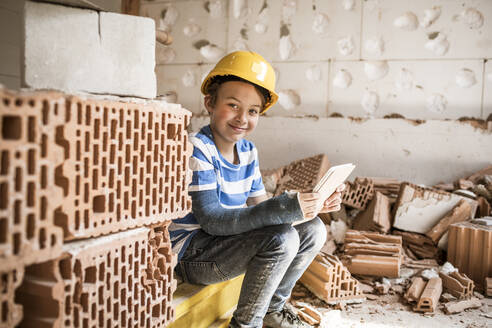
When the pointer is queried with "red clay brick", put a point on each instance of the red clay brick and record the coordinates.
(359, 193)
(126, 165)
(28, 195)
(121, 280)
(10, 313)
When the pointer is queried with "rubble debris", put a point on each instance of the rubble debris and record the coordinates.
(418, 209)
(359, 193)
(329, 247)
(457, 284)
(376, 217)
(461, 212)
(469, 250)
(459, 306)
(308, 313)
(413, 293)
(488, 286)
(446, 297)
(429, 298)
(382, 288)
(370, 253)
(477, 176)
(420, 245)
(484, 207)
(329, 280)
(429, 274)
(338, 230)
(303, 175)
(387, 186)
(420, 264)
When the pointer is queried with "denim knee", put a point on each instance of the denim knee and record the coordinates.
(282, 240)
(314, 235)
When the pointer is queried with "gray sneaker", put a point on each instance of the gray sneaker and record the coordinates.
(283, 319)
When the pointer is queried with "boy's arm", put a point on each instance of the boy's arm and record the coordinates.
(217, 220)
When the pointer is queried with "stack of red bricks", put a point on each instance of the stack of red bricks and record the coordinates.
(87, 190)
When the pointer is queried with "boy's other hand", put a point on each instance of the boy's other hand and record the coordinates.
(309, 203)
(333, 203)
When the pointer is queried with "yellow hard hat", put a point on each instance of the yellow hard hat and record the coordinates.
(249, 66)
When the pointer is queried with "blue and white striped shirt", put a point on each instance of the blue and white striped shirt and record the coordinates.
(234, 183)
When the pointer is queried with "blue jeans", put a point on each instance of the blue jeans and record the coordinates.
(273, 258)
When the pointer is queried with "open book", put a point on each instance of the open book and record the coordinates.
(327, 185)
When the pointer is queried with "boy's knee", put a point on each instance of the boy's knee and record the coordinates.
(282, 239)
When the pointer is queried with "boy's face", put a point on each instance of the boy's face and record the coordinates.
(236, 111)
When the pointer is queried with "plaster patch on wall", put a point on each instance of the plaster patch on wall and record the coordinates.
(436, 103)
(343, 79)
(261, 25)
(169, 16)
(370, 101)
(471, 17)
(289, 99)
(348, 4)
(376, 70)
(404, 80)
(430, 16)
(189, 79)
(239, 8)
(321, 24)
(215, 8)
(212, 52)
(375, 45)
(408, 21)
(465, 78)
(346, 46)
(289, 9)
(191, 29)
(240, 44)
(438, 43)
(313, 73)
(286, 47)
(164, 54)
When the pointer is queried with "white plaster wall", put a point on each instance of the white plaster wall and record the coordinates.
(415, 82)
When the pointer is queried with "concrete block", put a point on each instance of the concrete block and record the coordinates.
(28, 194)
(118, 51)
(302, 89)
(122, 280)
(314, 30)
(412, 89)
(185, 81)
(10, 26)
(465, 38)
(190, 23)
(106, 5)
(10, 60)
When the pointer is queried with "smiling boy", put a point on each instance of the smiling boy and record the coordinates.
(233, 227)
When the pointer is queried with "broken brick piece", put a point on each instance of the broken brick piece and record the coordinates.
(420, 245)
(121, 280)
(484, 208)
(459, 306)
(370, 253)
(28, 194)
(304, 174)
(419, 209)
(457, 284)
(470, 250)
(430, 296)
(413, 292)
(376, 217)
(11, 313)
(460, 212)
(359, 193)
(329, 280)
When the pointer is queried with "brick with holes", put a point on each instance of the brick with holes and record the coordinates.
(28, 160)
(359, 193)
(10, 312)
(121, 280)
(126, 165)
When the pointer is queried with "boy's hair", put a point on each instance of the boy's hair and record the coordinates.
(217, 81)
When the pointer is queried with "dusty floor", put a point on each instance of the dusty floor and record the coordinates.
(390, 310)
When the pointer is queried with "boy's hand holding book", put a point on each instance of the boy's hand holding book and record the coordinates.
(313, 203)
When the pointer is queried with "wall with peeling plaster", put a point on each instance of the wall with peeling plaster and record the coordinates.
(342, 59)
(10, 42)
